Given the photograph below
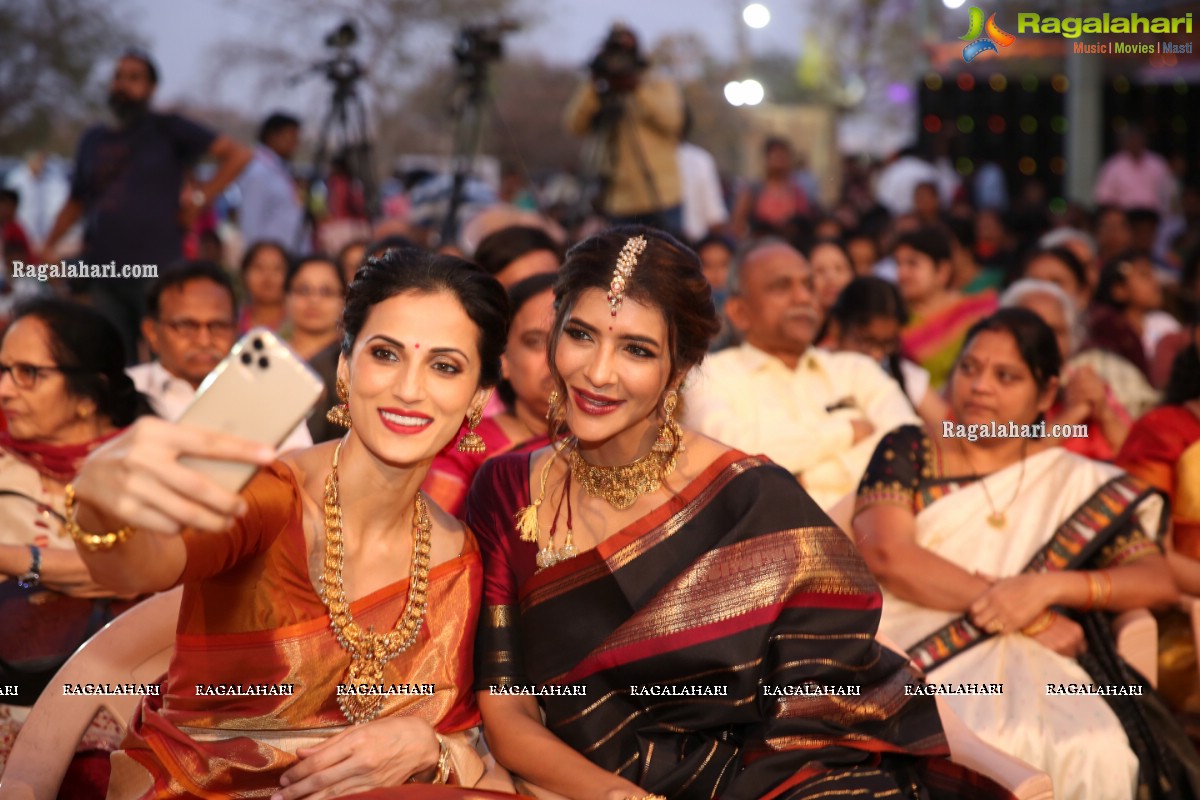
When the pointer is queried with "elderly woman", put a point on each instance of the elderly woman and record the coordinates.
(1083, 397)
(997, 557)
(64, 391)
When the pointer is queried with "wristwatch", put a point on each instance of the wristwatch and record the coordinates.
(33, 577)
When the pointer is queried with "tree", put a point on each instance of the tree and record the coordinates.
(50, 49)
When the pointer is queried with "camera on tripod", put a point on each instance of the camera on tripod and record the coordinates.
(619, 64)
(343, 69)
(478, 46)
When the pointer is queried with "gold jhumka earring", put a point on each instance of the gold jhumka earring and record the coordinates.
(340, 414)
(472, 442)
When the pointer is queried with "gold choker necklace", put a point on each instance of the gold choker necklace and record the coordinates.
(370, 651)
(622, 486)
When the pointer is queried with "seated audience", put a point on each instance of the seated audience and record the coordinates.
(815, 413)
(189, 326)
(1061, 266)
(64, 392)
(524, 388)
(264, 271)
(831, 271)
(867, 318)
(939, 315)
(1082, 246)
(970, 277)
(350, 258)
(517, 252)
(1000, 560)
(1083, 397)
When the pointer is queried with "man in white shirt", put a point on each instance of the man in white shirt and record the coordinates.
(703, 202)
(815, 413)
(190, 326)
(270, 209)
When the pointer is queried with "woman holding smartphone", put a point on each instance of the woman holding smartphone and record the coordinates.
(665, 616)
(329, 573)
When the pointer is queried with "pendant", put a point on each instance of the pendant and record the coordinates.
(997, 520)
(546, 557)
(358, 708)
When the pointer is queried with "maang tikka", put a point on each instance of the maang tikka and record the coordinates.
(626, 262)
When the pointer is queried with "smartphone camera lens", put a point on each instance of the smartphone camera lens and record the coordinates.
(264, 362)
(247, 359)
(258, 344)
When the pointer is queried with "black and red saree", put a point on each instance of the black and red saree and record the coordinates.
(693, 632)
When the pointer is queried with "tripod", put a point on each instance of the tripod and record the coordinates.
(469, 115)
(345, 123)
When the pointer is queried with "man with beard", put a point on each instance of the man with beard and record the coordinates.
(817, 414)
(128, 187)
(190, 326)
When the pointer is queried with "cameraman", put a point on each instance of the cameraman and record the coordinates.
(637, 118)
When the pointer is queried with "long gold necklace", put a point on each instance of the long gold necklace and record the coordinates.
(998, 518)
(370, 651)
(622, 486)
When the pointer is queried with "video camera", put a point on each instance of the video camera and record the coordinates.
(619, 63)
(478, 46)
(343, 69)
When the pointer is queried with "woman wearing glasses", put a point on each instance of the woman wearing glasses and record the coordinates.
(63, 391)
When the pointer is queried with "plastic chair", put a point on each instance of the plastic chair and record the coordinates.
(135, 647)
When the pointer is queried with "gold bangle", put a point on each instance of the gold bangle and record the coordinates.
(1107, 588)
(1042, 623)
(91, 541)
(443, 765)
(1093, 591)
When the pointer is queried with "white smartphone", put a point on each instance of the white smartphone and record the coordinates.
(261, 391)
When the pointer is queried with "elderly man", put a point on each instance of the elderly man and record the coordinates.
(817, 414)
(190, 326)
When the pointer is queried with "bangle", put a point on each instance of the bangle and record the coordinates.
(1042, 623)
(1093, 590)
(91, 541)
(1107, 588)
(443, 765)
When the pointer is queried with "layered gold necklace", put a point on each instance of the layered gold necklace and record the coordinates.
(370, 651)
(622, 486)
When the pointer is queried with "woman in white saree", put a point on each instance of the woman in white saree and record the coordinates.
(994, 556)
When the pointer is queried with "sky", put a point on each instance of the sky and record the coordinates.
(182, 33)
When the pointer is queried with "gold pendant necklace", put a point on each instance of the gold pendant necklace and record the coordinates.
(370, 651)
(622, 486)
(998, 518)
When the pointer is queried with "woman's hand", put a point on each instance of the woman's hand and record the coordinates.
(633, 790)
(1064, 636)
(1012, 603)
(381, 753)
(136, 479)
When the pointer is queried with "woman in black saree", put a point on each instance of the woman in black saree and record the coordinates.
(691, 623)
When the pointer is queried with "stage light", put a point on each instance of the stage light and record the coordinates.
(752, 92)
(756, 15)
(734, 94)
(953, 4)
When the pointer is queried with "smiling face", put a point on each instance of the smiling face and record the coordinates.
(614, 369)
(831, 272)
(413, 375)
(992, 382)
(524, 364)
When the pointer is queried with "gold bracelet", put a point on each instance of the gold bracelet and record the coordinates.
(91, 541)
(1107, 588)
(443, 765)
(1042, 623)
(1093, 591)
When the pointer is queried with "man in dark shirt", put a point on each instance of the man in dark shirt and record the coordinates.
(128, 186)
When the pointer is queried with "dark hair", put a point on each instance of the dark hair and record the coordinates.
(1035, 341)
(348, 246)
(1141, 214)
(403, 270)
(276, 123)
(1112, 277)
(1184, 383)
(300, 263)
(933, 242)
(87, 347)
(962, 230)
(10, 194)
(868, 298)
(519, 294)
(500, 248)
(138, 54)
(831, 242)
(253, 250)
(1065, 256)
(183, 273)
(381, 246)
(718, 239)
(773, 142)
(667, 276)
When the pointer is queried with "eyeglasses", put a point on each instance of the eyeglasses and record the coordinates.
(325, 293)
(26, 376)
(190, 328)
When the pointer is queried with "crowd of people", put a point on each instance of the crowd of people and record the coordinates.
(678, 447)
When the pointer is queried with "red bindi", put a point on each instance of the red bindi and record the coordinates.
(417, 346)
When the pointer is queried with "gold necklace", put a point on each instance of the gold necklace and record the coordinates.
(622, 486)
(997, 519)
(370, 651)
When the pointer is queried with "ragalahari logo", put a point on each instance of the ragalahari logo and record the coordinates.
(994, 37)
